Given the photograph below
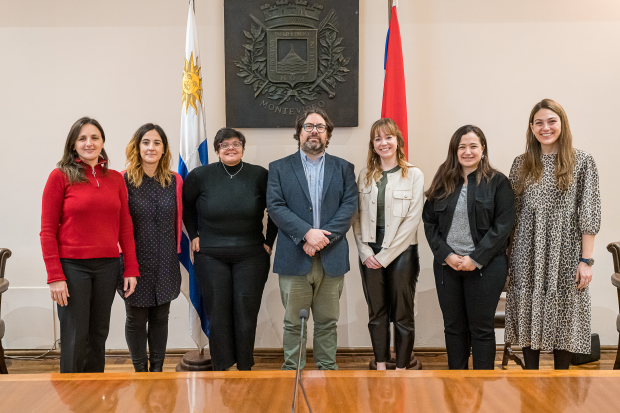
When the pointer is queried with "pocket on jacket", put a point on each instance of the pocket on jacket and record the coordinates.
(484, 212)
(365, 198)
(440, 206)
(401, 202)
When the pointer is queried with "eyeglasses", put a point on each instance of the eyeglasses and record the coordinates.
(320, 128)
(235, 144)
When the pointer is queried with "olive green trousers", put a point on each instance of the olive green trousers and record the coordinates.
(319, 293)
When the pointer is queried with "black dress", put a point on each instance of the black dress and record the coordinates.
(153, 211)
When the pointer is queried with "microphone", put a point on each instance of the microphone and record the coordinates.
(303, 315)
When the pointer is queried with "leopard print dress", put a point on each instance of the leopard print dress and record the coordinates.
(544, 308)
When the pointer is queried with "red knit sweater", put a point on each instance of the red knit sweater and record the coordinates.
(86, 220)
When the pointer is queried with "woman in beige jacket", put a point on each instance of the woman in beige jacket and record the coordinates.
(386, 233)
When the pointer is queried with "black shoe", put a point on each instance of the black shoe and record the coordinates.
(156, 364)
(141, 367)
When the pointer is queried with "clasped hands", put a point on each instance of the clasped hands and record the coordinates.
(316, 240)
(460, 263)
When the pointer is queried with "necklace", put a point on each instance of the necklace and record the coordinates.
(231, 176)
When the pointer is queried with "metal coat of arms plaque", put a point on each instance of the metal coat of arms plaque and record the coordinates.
(288, 56)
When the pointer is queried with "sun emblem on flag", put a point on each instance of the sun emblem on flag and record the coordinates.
(192, 84)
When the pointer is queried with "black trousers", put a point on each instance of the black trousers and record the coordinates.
(232, 288)
(468, 300)
(85, 321)
(137, 334)
(389, 294)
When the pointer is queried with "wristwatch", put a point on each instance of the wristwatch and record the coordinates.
(589, 261)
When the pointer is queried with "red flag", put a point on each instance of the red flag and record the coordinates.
(394, 92)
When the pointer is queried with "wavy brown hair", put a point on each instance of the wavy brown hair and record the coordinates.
(532, 168)
(69, 164)
(135, 172)
(301, 119)
(373, 162)
(449, 173)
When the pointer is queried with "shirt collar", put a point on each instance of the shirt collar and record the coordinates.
(393, 170)
(100, 162)
(307, 159)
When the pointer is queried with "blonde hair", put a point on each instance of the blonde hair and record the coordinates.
(373, 163)
(532, 169)
(135, 172)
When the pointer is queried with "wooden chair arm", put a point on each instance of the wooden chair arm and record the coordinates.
(5, 253)
(614, 248)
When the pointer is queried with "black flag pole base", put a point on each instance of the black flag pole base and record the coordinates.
(414, 364)
(194, 361)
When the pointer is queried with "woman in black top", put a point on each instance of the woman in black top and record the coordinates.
(468, 217)
(223, 209)
(155, 207)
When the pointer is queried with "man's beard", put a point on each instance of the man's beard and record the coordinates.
(313, 148)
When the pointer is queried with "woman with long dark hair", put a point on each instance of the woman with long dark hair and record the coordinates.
(84, 219)
(386, 233)
(558, 214)
(468, 216)
(155, 205)
(223, 210)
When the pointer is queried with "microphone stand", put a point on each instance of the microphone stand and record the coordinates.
(301, 383)
(303, 315)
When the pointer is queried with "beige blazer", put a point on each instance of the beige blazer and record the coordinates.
(404, 198)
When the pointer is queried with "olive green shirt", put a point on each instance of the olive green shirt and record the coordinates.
(381, 195)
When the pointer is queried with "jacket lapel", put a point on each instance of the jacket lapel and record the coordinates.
(298, 168)
(471, 213)
(328, 172)
(451, 200)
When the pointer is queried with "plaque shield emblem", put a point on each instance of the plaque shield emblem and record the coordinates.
(292, 55)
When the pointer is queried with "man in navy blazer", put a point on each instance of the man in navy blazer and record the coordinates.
(312, 197)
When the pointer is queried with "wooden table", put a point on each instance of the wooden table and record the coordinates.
(334, 391)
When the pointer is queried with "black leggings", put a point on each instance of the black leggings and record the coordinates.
(232, 288)
(561, 359)
(389, 294)
(137, 334)
(85, 320)
(468, 300)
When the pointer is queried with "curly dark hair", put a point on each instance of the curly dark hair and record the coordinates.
(299, 123)
(227, 133)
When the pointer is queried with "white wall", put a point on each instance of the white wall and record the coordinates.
(477, 61)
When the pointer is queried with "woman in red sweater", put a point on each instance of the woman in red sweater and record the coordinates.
(85, 217)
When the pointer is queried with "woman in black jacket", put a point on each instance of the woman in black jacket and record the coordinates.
(468, 217)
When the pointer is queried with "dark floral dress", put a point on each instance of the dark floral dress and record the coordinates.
(153, 211)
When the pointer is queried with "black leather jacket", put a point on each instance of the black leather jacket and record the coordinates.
(491, 210)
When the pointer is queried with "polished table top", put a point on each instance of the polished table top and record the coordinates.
(333, 391)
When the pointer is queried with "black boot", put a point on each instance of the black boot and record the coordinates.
(141, 367)
(157, 362)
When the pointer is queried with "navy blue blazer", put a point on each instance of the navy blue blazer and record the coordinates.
(290, 207)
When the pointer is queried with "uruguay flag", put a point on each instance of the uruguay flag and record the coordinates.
(193, 153)
(394, 93)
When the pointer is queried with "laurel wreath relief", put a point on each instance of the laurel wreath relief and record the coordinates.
(332, 65)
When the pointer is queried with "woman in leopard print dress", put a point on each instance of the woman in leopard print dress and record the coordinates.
(558, 210)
